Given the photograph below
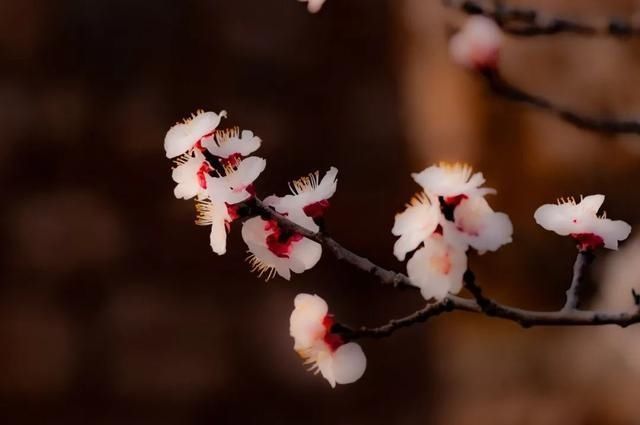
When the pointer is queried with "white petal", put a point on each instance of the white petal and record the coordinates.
(437, 268)
(183, 136)
(305, 323)
(305, 254)
(248, 171)
(592, 203)
(218, 236)
(349, 363)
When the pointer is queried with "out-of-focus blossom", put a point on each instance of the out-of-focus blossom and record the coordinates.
(478, 226)
(309, 199)
(477, 44)
(452, 182)
(438, 268)
(190, 174)
(314, 6)
(310, 326)
(231, 143)
(184, 136)
(581, 222)
(275, 250)
(415, 224)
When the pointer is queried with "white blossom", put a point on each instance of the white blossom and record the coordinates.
(309, 199)
(415, 224)
(218, 215)
(184, 136)
(477, 44)
(237, 184)
(190, 175)
(478, 226)
(314, 6)
(581, 221)
(451, 182)
(223, 193)
(326, 352)
(230, 143)
(274, 250)
(438, 267)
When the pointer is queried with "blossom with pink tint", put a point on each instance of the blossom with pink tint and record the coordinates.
(274, 250)
(477, 44)
(452, 182)
(581, 222)
(477, 225)
(314, 6)
(309, 199)
(231, 143)
(190, 174)
(415, 224)
(310, 325)
(184, 136)
(438, 267)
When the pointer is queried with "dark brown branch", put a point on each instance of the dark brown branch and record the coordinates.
(481, 304)
(583, 260)
(529, 22)
(504, 89)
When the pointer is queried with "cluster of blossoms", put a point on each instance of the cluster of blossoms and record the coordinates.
(439, 226)
(450, 216)
(214, 166)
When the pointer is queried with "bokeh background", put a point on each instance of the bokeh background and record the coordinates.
(113, 310)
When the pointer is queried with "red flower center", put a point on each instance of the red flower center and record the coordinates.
(332, 340)
(232, 160)
(202, 173)
(317, 209)
(588, 241)
(278, 241)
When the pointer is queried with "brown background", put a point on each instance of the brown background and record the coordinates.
(114, 311)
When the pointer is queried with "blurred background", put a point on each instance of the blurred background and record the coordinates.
(113, 310)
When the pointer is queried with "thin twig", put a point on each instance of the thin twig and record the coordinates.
(481, 305)
(583, 260)
(530, 22)
(504, 89)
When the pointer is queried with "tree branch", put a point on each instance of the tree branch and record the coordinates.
(504, 89)
(583, 260)
(481, 304)
(529, 22)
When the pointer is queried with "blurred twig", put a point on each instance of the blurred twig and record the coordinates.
(523, 21)
(504, 89)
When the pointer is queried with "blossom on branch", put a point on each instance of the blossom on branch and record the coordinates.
(231, 143)
(274, 250)
(438, 267)
(190, 174)
(309, 199)
(185, 136)
(223, 193)
(452, 182)
(477, 44)
(581, 222)
(415, 224)
(479, 226)
(338, 361)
